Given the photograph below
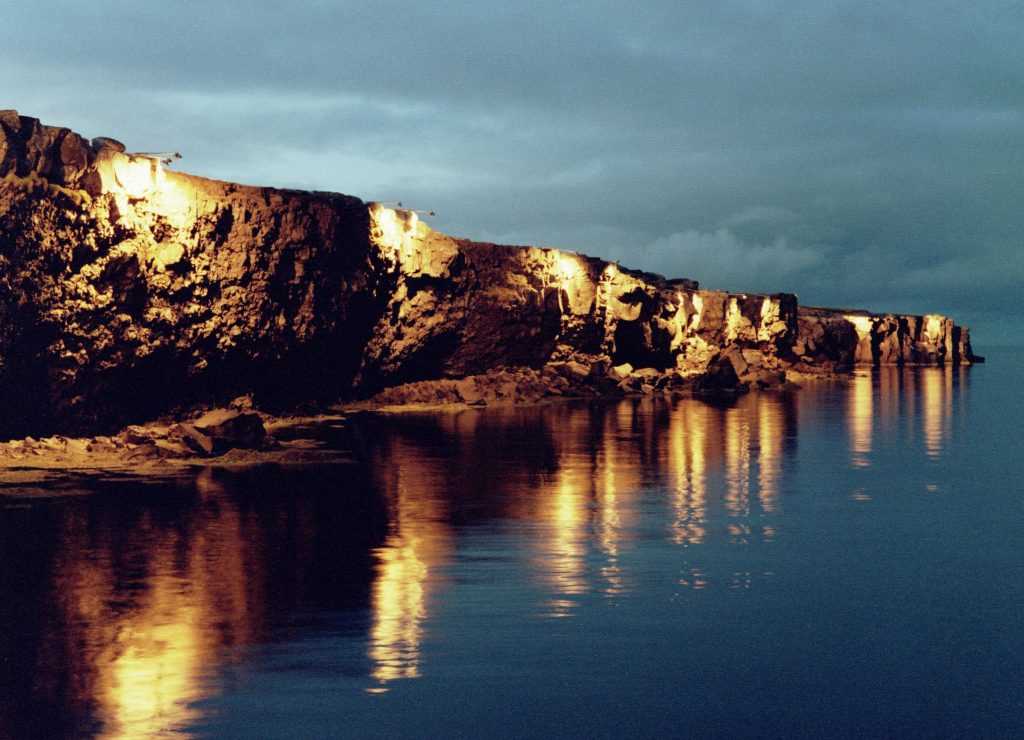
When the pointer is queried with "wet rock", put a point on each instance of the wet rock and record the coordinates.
(622, 371)
(230, 429)
(720, 379)
(196, 440)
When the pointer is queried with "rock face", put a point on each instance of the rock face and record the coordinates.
(127, 291)
(840, 338)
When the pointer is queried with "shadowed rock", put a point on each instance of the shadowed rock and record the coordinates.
(128, 291)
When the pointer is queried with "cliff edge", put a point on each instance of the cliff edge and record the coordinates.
(128, 290)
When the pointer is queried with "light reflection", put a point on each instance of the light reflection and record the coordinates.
(770, 430)
(417, 546)
(936, 408)
(737, 463)
(860, 417)
(145, 664)
(686, 470)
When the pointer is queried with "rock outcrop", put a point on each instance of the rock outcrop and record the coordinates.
(128, 290)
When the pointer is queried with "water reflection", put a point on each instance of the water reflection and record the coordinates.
(126, 608)
(861, 419)
(936, 408)
(137, 598)
(922, 397)
(417, 546)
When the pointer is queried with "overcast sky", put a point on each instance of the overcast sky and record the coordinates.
(856, 153)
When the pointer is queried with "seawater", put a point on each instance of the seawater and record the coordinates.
(846, 560)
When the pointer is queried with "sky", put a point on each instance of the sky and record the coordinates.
(858, 154)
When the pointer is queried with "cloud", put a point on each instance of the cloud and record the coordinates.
(719, 259)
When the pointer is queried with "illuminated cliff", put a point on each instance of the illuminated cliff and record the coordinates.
(128, 290)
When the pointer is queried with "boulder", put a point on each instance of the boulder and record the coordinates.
(230, 429)
(720, 379)
(196, 440)
(622, 371)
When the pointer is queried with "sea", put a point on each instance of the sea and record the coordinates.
(842, 560)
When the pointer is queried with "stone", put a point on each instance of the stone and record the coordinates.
(736, 358)
(230, 429)
(622, 371)
(153, 297)
(576, 371)
(721, 378)
(196, 440)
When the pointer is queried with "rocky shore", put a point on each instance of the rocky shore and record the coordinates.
(130, 292)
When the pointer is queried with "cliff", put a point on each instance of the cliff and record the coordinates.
(128, 290)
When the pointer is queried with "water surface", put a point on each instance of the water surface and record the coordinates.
(845, 560)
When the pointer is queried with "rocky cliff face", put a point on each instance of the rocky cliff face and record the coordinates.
(128, 290)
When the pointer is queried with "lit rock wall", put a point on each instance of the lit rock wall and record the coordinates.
(836, 338)
(117, 304)
(128, 290)
(460, 308)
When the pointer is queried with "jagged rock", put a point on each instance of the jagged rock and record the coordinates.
(850, 337)
(128, 291)
(229, 429)
(721, 378)
(196, 440)
(621, 371)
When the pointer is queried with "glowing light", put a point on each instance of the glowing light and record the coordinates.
(406, 565)
(936, 408)
(733, 319)
(698, 311)
(933, 326)
(687, 465)
(138, 177)
(769, 463)
(399, 609)
(737, 463)
(771, 313)
(861, 419)
(147, 659)
(567, 266)
(861, 323)
(393, 229)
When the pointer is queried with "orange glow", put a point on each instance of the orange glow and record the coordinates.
(138, 177)
(418, 545)
(936, 408)
(687, 468)
(769, 456)
(399, 608)
(698, 312)
(861, 419)
(144, 666)
(861, 323)
(737, 463)
(565, 549)
(733, 320)
(393, 229)
(567, 266)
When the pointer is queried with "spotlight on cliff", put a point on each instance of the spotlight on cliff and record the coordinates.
(138, 174)
(568, 266)
(393, 228)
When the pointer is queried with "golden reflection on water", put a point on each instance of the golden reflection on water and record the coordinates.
(418, 544)
(923, 397)
(686, 473)
(936, 408)
(143, 664)
(860, 416)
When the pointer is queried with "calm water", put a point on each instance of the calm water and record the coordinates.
(847, 560)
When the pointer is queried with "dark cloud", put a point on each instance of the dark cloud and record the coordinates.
(856, 153)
